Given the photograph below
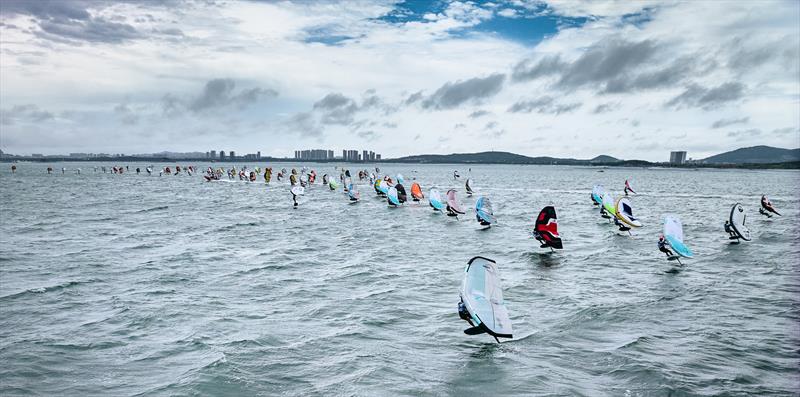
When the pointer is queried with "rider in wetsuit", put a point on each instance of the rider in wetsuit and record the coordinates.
(662, 246)
(729, 229)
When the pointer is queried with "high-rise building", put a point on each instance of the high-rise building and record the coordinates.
(258, 155)
(364, 155)
(330, 154)
(222, 155)
(377, 157)
(232, 155)
(677, 157)
(212, 154)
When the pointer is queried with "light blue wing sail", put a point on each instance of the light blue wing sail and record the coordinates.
(679, 247)
(482, 295)
(391, 196)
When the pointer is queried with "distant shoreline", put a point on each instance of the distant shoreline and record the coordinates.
(580, 163)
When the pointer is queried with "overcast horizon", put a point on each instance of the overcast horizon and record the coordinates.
(576, 79)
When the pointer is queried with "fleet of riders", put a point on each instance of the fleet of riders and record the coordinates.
(481, 298)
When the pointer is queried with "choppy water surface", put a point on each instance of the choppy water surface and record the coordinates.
(136, 285)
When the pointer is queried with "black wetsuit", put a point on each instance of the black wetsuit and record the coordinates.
(662, 246)
(729, 229)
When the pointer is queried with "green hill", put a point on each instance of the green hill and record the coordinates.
(755, 155)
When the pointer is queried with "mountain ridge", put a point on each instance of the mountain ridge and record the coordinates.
(749, 155)
(761, 154)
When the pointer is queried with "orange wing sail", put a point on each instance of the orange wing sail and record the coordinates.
(416, 192)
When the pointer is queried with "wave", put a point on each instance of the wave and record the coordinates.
(159, 208)
(43, 290)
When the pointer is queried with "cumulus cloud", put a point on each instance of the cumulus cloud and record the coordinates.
(29, 113)
(786, 130)
(545, 105)
(336, 109)
(707, 98)
(528, 70)
(658, 63)
(473, 90)
(72, 21)
(219, 93)
(417, 96)
(171, 106)
(606, 107)
(748, 54)
(612, 65)
(607, 60)
(126, 114)
(479, 113)
(743, 134)
(669, 76)
(304, 125)
(726, 122)
(369, 135)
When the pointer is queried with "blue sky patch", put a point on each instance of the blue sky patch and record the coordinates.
(526, 26)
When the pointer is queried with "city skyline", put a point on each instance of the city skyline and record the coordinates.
(564, 79)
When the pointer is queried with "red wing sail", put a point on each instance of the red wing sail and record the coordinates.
(547, 227)
(628, 186)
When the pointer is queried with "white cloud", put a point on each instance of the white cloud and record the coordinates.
(281, 47)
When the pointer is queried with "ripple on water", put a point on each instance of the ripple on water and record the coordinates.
(137, 285)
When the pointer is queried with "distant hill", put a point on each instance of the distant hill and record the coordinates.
(489, 158)
(755, 155)
(605, 159)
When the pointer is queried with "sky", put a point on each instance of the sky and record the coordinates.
(577, 79)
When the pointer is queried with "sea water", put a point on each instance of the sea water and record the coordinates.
(145, 285)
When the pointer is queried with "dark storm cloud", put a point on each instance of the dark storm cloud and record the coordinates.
(707, 98)
(544, 105)
(528, 70)
(24, 113)
(727, 122)
(473, 90)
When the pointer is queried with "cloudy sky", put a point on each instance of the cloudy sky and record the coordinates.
(558, 78)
